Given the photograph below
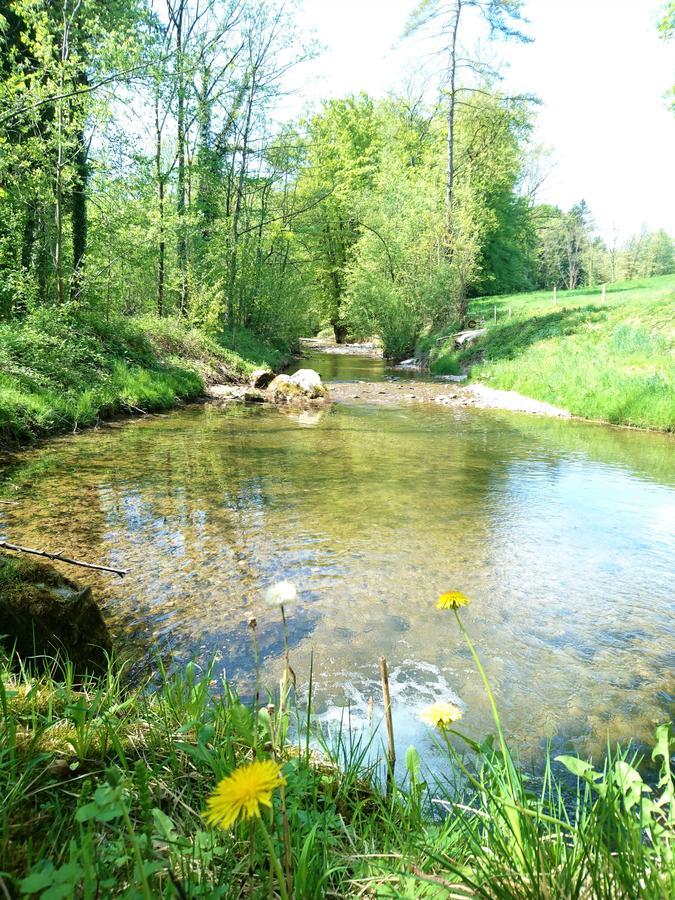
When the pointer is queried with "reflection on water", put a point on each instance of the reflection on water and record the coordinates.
(561, 533)
(355, 367)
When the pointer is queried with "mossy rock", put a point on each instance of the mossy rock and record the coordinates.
(305, 384)
(44, 614)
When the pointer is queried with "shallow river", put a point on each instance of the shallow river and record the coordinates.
(561, 533)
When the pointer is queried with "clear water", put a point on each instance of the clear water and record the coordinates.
(561, 534)
(343, 367)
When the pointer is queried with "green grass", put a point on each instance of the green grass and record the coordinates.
(60, 372)
(612, 362)
(104, 788)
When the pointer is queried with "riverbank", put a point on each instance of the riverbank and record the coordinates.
(61, 372)
(605, 360)
(126, 774)
(476, 396)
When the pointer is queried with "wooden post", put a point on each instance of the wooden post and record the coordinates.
(495, 312)
(555, 294)
(604, 294)
(391, 754)
(509, 312)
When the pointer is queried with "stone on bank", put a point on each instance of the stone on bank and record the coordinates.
(45, 614)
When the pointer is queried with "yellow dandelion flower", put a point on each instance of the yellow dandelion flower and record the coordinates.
(440, 715)
(452, 600)
(243, 793)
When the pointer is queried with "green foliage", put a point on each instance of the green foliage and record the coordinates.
(60, 371)
(125, 773)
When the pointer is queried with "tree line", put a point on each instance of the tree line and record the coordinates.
(144, 170)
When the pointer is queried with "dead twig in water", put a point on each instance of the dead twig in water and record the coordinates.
(5, 545)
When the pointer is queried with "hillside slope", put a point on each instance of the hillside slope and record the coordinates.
(611, 361)
(59, 373)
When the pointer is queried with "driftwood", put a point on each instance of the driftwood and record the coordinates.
(5, 545)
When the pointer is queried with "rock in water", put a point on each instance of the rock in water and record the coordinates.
(261, 378)
(310, 382)
(42, 613)
(305, 384)
(284, 390)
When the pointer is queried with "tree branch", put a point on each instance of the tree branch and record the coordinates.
(5, 545)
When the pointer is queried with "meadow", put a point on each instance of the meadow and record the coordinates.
(610, 361)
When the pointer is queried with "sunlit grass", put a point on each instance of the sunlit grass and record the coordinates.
(611, 361)
(105, 789)
(61, 372)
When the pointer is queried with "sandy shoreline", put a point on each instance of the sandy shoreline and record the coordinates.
(479, 396)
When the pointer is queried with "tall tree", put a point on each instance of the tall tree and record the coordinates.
(443, 19)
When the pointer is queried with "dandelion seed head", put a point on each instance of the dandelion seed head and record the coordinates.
(280, 594)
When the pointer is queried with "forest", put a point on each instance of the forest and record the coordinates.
(145, 172)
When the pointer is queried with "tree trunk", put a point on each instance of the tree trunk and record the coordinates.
(161, 242)
(450, 168)
(231, 313)
(180, 198)
(79, 214)
(340, 332)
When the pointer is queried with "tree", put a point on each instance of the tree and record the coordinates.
(666, 27)
(338, 169)
(501, 18)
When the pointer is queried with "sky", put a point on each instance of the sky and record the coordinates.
(598, 66)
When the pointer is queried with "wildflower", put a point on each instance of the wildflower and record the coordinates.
(452, 600)
(440, 715)
(243, 792)
(280, 593)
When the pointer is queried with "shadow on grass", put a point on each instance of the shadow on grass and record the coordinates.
(511, 338)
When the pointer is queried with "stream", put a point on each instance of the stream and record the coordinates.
(561, 533)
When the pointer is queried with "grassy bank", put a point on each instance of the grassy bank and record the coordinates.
(61, 372)
(611, 361)
(104, 793)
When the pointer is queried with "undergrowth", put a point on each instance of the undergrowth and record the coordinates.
(62, 370)
(105, 787)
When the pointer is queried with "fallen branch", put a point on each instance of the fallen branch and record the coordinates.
(5, 545)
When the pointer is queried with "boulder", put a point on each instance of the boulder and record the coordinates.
(43, 613)
(261, 378)
(284, 390)
(305, 384)
(310, 382)
(253, 395)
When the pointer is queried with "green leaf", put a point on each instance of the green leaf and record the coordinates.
(37, 881)
(579, 767)
(629, 782)
(412, 762)
(242, 722)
